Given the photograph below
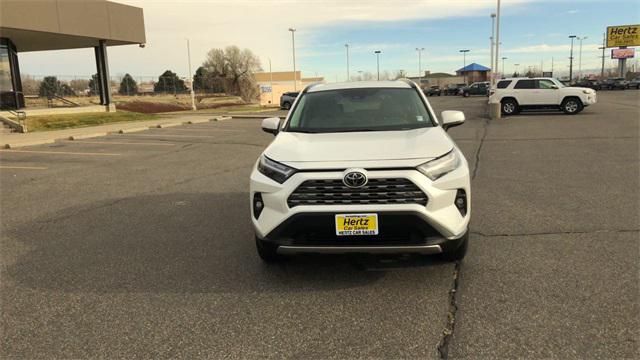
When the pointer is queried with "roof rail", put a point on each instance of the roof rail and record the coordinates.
(409, 82)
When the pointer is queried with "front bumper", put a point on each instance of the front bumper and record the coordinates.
(590, 99)
(425, 228)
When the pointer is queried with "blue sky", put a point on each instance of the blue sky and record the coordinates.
(531, 31)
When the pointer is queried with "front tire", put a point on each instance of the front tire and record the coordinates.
(572, 106)
(510, 107)
(457, 253)
(268, 252)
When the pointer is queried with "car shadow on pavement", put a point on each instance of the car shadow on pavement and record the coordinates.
(175, 243)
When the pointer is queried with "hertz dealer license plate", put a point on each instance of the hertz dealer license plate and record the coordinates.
(356, 224)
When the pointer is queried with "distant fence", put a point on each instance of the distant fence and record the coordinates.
(84, 85)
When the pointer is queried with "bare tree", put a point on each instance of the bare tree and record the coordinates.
(236, 68)
(399, 74)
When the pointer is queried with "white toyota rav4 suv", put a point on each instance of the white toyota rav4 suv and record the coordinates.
(540, 93)
(362, 167)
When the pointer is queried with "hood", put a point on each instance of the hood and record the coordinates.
(580, 88)
(421, 143)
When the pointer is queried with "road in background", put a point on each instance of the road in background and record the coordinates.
(141, 244)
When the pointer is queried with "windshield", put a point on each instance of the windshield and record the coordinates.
(369, 109)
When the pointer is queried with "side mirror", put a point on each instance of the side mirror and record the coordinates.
(555, 87)
(271, 125)
(452, 118)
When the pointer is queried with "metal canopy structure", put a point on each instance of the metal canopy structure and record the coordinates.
(63, 24)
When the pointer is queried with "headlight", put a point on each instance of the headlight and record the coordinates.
(274, 170)
(441, 166)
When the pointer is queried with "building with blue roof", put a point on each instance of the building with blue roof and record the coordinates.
(474, 73)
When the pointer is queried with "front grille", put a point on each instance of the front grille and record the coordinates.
(376, 191)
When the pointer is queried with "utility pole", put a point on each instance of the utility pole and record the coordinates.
(419, 50)
(503, 59)
(493, 35)
(497, 35)
(377, 52)
(193, 96)
(464, 63)
(552, 66)
(603, 48)
(571, 59)
(293, 45)
(516, 72)
(348, 76)
(580, 58)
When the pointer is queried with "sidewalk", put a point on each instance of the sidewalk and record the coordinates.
(14, 140)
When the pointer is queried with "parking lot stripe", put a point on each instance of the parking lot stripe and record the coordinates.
(209, 129)
(58, 152)
(176, 135)
(121, 143)
(23, 167)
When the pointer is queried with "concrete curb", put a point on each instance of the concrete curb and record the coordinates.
(132, 130)
(28, 143)
(222, 118)
(161, 126)
(198, 121)
(86, 136)
(250, 116)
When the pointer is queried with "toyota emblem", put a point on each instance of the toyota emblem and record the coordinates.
(355, 179)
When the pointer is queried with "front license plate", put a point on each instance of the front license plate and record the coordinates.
(356, 224)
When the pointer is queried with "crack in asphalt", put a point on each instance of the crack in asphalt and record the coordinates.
(558, 232)
(447, 333)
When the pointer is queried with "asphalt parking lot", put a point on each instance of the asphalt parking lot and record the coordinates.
(140, 245)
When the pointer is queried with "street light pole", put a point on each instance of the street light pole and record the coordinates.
(503, 59)
(293, 45)
(193, 95)
(348, 76)
(603, 48)
(497, 36)
(377, 52)
(516, 66)
(464, 63)
(493, 35)
(571, 59)
(580, 57)
(419, 50)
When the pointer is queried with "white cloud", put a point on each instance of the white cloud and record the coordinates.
(260, 25)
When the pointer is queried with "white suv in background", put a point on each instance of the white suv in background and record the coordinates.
(361, 167)
(540, 93)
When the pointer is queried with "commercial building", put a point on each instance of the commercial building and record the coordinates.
(474, 73)
(63, 24)
(274, 84)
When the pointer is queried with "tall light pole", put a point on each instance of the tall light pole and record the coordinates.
(193, 95)
(516, 66)
(571, 59)
(377, 52)
(580, 57)
(464, 63)
(420, 50)
(493, 35)
(293, 45)
(603, 48)
(497, 54)
(503, 59)
(347, 47)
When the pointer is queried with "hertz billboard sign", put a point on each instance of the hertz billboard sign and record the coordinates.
(624, 35)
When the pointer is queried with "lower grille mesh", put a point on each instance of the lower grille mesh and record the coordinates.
(376, 191)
